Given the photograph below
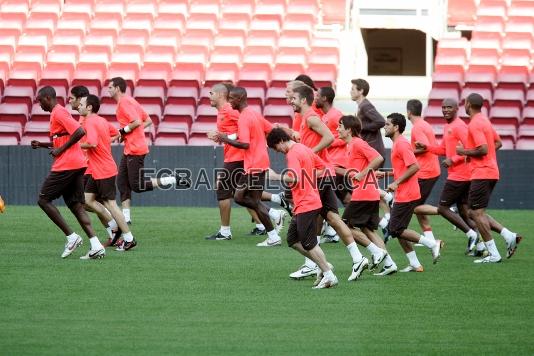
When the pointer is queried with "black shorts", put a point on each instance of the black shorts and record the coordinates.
(303, 229)
(360, 214)
(454, 192)
(425, 187)
(328, 197)
(480, 193)
(342, 187)
(68, 184)
(252, 181)
(401, 215)
(228, 178)
(104, 189)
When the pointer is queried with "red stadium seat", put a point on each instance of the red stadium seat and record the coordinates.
(504, 115)
(448, 79)
(255, 75)
(219, 72)
(177, 130)
(526, 143)
(276, 96)
(323, 74)
(198, 37)
(282, 73)
(173, 7)
(235, 21)
(512, 78)
(27, 139)
(238, 7)
(489, 24)
(25, 74)
(521, 8)
(192, 54)
(492, 8)
(256, 96)
(198, 137)
(485, 93)
(133, 38)
(258, 54)
(230, 38)
(204, 97)
(108, 111)
(150, 95)
(291, 55)
(170, 141)
(38, 114)
(204, 7)
(519, 24)
(299, 21)
(164, 38)
(484, 56)
(154, 111)
(105, 98)
(279, 114)
(170, 21)
(19, 95)
(294, 38)
(182, 96)
(271, 7)
(433, 114)
(323, 55)
(509, 97)
(179, 114)
(530, 99)
(202, 21)
(205, 114)
(528, 116)
(262, 37)
(334, 12)
(437, 95)
(226, 55)
(480, 76)
(90, 74)
(128, 71)
(154, 74)
(37, 128)
(304, 7)
(10, 130)
(516, 57)
(109, 7)
(271, 22)
(143, 8)
(490, 40)
(187, 74)
(517, 41)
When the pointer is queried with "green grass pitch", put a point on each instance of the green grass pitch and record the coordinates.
(179, 294)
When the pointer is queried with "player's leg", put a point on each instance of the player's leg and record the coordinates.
(123, 184)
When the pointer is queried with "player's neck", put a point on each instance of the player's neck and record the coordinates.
(360, 99)
(326, 108)
(348, 139)
(396, 136)
(415, 119)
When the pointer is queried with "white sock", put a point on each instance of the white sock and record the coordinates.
(388, 261)
(427, 242)
(388, 197)
(260, 226)
(127, 236)
(95, 243)
(492, 248)
(414, 261)
(383, 222)
(275, 198)
(110, 232)
(507, 234)
(387, 216)
(329, 230)
(113, 224)
(274, 214)
(481, 246)
(126, 213)
(72, 236)
(225, 230)
(471, 233)
(167, 180)
(273, 235)
(429, 234)
(328, 274)
(354, 252)
(309, 263)
(374, 249)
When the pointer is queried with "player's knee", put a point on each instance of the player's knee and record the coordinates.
(396, 233)
(42, 202)
(442, 209)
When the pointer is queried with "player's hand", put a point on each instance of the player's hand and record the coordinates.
(212, 135)
(121, 138)
(35, 144)
(420, 145)
(380, 174)
(56, 152)
(392, 187)
(447, 162)
(358, 176)
(296, 136)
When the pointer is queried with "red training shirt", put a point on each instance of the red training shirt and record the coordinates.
(99, 132)
(129, 110)
(480, 132)
(338, 149)
(360, 154)
(227, 119)
(252, 128)
(402, 157)
(428, 162)
(61, 122)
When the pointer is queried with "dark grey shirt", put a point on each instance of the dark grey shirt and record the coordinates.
(372, 122)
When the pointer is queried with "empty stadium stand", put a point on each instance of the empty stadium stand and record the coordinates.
(169, 51)
(497, 63)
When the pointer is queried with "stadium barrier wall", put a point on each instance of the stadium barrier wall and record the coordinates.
(22, 171)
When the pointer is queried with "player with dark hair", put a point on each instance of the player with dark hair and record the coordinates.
(316, 135)
(251, 131)
(324, 100)
(303, 163)
(407, 195)
(481, 151)
(103, 169)
(133, 120)
(76, 94)
(362, 212)
(66, 176)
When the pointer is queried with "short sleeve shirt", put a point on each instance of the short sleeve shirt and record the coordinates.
(402, 157)
(62, 126)
(227, 119)
(129, 110)
(252, 128)
(360, 154)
